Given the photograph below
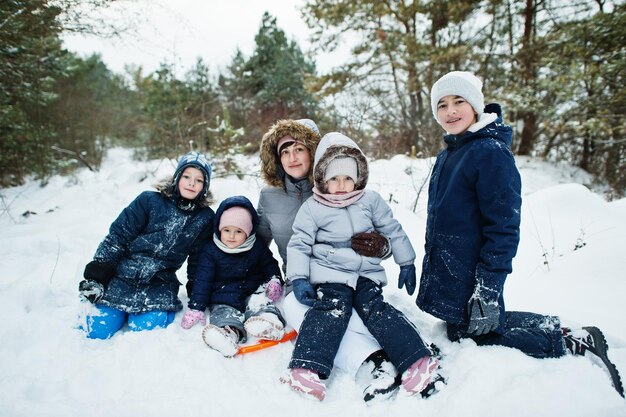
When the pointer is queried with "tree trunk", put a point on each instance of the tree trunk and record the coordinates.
(527, 58)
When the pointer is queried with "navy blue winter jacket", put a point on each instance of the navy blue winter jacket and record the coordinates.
(472, 231)
(230, 278)
(147, 244)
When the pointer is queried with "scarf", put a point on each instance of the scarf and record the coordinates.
(337, 200)
(244, 247)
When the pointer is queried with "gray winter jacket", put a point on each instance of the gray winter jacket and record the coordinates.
(320, 249)
(282, 197)
(320, 246)
(277, 210)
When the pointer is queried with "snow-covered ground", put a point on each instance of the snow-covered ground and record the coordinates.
(570, 263)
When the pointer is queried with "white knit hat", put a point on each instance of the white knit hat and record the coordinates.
(459, 83)
(342, 166)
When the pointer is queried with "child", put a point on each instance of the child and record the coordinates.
(132, 277)
(472, 233)
(239, 279)
(320, 255)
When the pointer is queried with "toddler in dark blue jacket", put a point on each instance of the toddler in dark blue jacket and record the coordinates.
(472, 233)
(238, 279)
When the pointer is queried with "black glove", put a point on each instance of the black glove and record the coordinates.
(304, 292)
(102, 272)
(90, 290)
(484, 317)
(371, 244)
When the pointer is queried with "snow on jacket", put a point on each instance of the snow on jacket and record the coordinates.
(472, 230)
(319, 248)
(230, 278)
(281, 199)
(148, 242)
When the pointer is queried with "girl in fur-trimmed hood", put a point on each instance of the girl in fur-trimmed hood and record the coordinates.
(332, 278)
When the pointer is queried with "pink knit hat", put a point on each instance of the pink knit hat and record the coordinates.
(236, 216)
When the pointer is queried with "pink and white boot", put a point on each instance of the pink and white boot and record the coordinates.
(419, 375)
(223, 339)
(265, 326)
(306, 382)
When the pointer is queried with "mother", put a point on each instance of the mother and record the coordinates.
(287, 151)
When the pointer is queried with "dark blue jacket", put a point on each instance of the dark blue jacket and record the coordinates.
(472, 231)
(148, 243)
(230, 278)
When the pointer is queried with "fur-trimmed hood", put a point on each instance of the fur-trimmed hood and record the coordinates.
(271, 169)
(334, 145)
(166, 188)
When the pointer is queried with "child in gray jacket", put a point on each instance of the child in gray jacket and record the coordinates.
(328, 275)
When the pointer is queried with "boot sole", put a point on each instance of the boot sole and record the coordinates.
(217, 339)
(272, 330)
(601, 347)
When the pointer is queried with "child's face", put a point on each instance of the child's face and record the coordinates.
(191, 183)
(340, 184)
(296, 160)
(232, 236)
(455, 114)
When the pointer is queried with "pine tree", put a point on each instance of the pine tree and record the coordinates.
(30, 55)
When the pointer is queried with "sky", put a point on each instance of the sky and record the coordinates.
(570, 263)
(182, 30)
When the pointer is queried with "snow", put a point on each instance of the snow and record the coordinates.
(570, 263)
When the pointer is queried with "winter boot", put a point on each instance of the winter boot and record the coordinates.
(590, 339)
(224, 340)
(380, 377)
(305, 382)
(265, 326)
(418, 377)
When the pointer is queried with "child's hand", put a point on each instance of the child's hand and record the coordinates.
(407, 278)
(191, 317)
(274, 289)
(484, 316)
(91, 290)
(371, 244)
(303, 290)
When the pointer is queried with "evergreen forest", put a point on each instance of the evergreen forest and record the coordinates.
(557, 67)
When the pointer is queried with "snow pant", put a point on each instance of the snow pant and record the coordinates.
(109, 320)
(534, 334)
(356, 345)
(327, 320)
(222, 315)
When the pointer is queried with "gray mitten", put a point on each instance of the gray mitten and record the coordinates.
(91, 290)
(484, 316)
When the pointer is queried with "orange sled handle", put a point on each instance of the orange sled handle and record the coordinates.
(264, 344)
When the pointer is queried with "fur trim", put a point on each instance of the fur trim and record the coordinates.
(269, 156)
(166, 188)
(335, 151)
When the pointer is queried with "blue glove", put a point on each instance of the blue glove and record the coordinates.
(484, 317)
(407, 278)
(304, 292)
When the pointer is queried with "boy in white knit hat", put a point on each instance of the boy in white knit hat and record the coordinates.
(331, 277)
(472, 233)
(239, 280)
